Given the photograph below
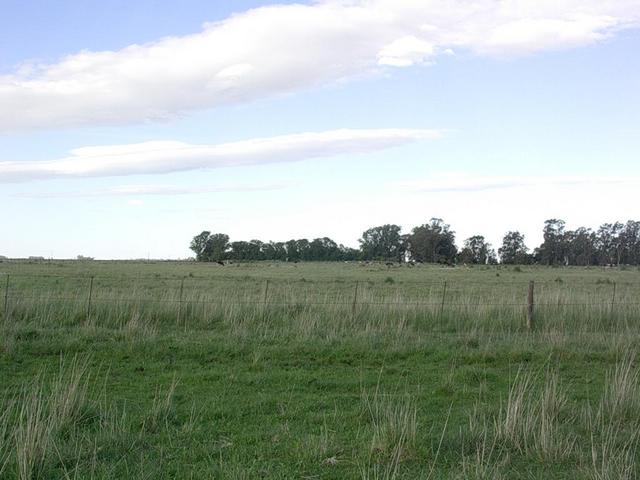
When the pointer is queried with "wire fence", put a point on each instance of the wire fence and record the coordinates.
(245, 291)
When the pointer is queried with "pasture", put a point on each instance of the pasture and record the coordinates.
(317, 370)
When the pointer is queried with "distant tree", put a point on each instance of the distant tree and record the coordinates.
(610, 243)
(293, 255)
(199, 245)
(349, 254)
(273, 251)
(279, 251)
(323, 249)
(255, 249)
(433, 242)
(631, 243)
(476, 250)
(302, 245)
(210, 247)
(382, 243)
(268, 251)
(239, 250)
(219, 243)
(553, 250)
(580, 246)
(513, 250)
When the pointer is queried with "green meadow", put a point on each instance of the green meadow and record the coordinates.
(148, 370)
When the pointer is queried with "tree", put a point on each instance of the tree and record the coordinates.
(279, 251)
(382, 243)
(323, 249)
(302, 246)
(268, 251)
(218, 245)
(199, 245)
(631, 243)
(477, 251)
(293, 255)
(580, 247)
(240, 251)
(553, 250)
(513, 250)
(432, 242)
(348, 254)
(610, 243)
(210, 247)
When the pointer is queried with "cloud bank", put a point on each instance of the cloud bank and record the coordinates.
(283, 48)
(159, 157)
(468, 183)
(163, 190)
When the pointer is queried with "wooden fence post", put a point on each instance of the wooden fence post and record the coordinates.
(6, 298)
(444, 295)
(89, 297)
(354, 306)
(265, 294)
(180, 300)
(613, 297)
(530, 304)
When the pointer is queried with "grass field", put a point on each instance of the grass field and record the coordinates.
(184, 370)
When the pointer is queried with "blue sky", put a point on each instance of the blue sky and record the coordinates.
(305, 120)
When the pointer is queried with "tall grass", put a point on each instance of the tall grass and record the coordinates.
(42, 413)
(621, 398)
(325, 309)
(162, 409)
(530, 420)
(43, 427)
(536, 421)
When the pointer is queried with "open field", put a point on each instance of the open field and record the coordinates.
(184, 370)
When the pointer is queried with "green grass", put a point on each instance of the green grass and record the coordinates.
(302, 385)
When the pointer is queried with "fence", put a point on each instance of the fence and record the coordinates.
(525, 302)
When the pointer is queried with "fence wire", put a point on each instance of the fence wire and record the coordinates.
(278, 292)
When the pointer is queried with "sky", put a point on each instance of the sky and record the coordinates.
(126, 128)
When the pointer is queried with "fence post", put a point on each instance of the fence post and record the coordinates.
(354, 306)
(265, 294)
(180, 300)
(89, 297)
(530, 304)
(444, 294)
(613, 297)
(6, 298)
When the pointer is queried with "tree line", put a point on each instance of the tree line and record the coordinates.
(434, 242)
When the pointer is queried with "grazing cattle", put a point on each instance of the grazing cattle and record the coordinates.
(220, 262)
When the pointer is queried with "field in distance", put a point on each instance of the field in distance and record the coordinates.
(317, 370)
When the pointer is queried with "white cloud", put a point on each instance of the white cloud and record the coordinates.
(283, 48)
(169, 156)
(405, 51)
(469, 183)
(136, 190)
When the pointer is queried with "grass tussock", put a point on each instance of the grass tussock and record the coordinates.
(393, 427)
(162, 411)
(613, 451)
(621, 398)
(393, 420)
(483, 463)
(529, 422)
(42, 414)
